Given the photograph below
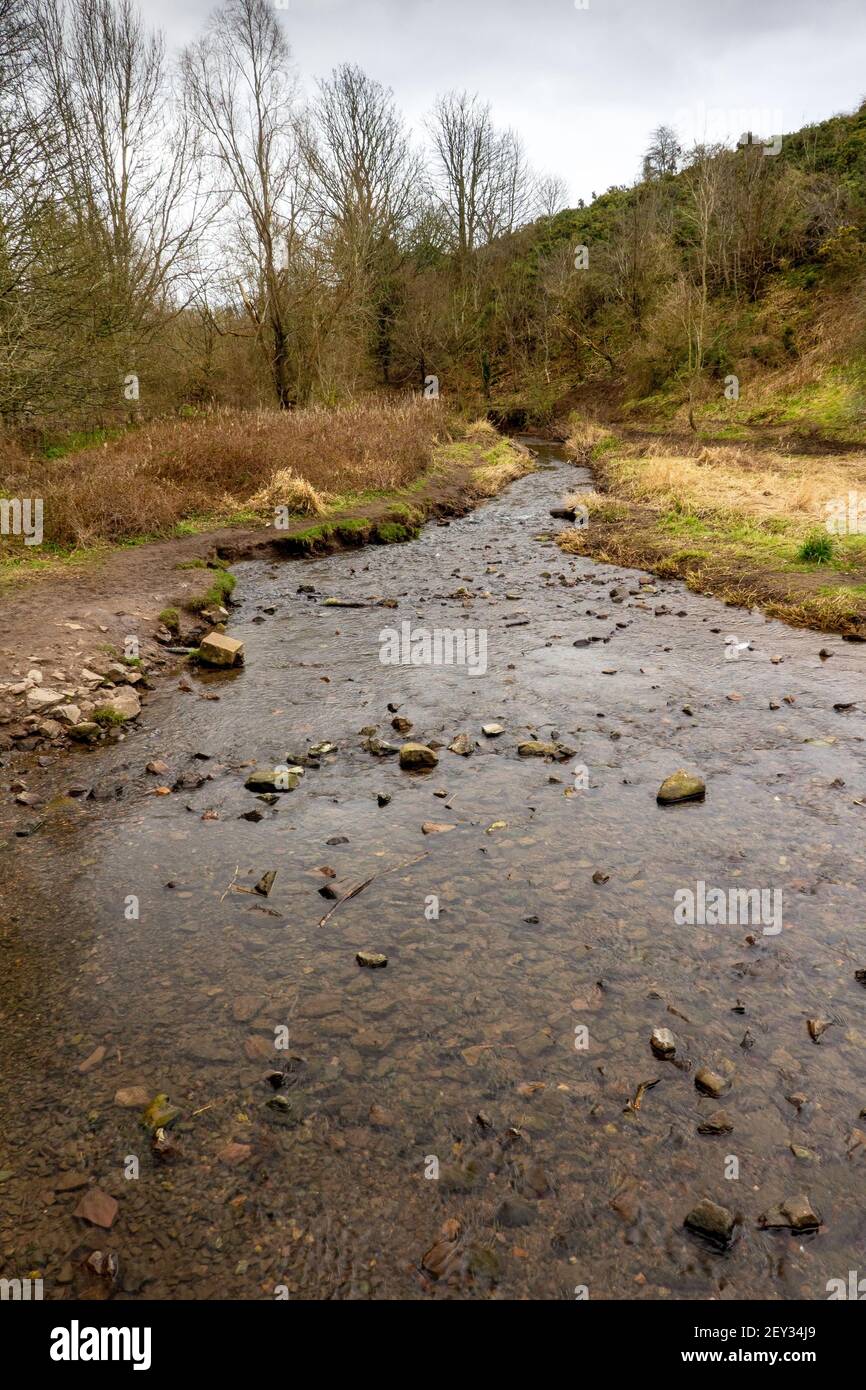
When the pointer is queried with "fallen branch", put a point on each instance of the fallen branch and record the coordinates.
(359, 887)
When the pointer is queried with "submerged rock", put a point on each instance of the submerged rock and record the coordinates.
(711, 1083)
(713, 1222)
(793, 1214)
(373, 959)
(663, 1042)
(538, 748)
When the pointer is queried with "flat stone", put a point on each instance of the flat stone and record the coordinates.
(794, 1213)
(42, 698)
(132, 1097)
(374, 959)
(92, 1061)
(717, 1123)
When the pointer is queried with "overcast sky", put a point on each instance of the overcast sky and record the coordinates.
(584, 86)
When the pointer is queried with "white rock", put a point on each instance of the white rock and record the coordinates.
(124, 702)
(41, 697)
(68, 714)
(35, 676)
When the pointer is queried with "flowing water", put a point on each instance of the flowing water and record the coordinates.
(501, 1046)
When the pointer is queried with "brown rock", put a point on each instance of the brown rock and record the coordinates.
(98, 1208)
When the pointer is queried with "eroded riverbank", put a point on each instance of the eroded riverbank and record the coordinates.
(555, 913)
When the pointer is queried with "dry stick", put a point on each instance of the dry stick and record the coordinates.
(359, 887)
(232, 881)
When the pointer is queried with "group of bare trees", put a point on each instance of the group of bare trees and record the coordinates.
(199, 220)
(200, 225)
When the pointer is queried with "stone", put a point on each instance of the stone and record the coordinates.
(85, 732)
(663, 1042)
(432, 827)
(681, 786)
(67, 714)
(461, 744)
(274, 779)
(92, 1061)
(234, 1153)
(373, 959)
(414, 756)
(794, 1214)
(219, 650)
(713, 1222)
(123, 702)
(492, 730)
(717, 1123)
(98, 1208)
(711, 1083)
(538, 748)
(132, 1097)
(41, 697)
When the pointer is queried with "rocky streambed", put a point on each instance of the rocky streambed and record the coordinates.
(289, 1012)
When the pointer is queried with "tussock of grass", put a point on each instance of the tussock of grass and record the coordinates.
(286, 489)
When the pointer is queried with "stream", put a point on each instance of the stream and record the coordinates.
(465, 1122)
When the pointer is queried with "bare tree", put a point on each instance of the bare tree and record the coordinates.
(663, 154)
(365, 189)
(241, 90)
(468, 176)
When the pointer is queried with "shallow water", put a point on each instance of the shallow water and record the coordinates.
(476, 1011)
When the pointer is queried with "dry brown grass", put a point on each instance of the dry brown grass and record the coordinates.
(286, 489)
(583, 436)
(726, 479)
(226, 463)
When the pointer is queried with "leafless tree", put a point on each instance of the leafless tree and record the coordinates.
(663, 154)
(242, 93)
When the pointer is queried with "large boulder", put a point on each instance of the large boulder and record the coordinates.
(216, 649)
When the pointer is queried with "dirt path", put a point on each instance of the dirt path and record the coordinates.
(485, 1116)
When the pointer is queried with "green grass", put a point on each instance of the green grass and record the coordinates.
(817, 548)
(170, 618)
(107, 717)
(214, 597)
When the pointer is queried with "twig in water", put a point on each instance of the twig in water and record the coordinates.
(359, 887)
